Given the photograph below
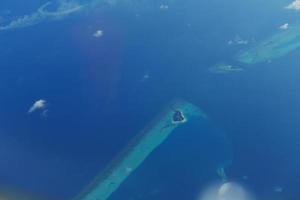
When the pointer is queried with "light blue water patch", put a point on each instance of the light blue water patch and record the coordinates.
(278, 45)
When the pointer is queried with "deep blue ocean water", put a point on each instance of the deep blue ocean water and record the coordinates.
(101, 92)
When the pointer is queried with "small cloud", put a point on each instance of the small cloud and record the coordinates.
(295, 5)
(164, 7)
(225, 68)
(38, 105)
(238, 41)
(284, 26)
(242, 42)
(98, 34)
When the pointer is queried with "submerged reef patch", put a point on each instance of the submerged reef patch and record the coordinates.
(278, 45)
(108, 181)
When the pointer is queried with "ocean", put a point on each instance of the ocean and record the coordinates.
(100, 91)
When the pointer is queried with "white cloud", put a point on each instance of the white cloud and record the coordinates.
(26, 20)
(164, 7)
(295, 5)
(238, 41)
(38, 105)
(59, 9)
(284, 26)
(98, 34)
(225, 191)
(64, 8)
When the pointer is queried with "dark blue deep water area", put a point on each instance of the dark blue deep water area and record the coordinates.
(99, 91)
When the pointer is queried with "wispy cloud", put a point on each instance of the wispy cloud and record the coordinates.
(24, 21)
(64, 8)
(164, 7)
(59, 9)
(238, 41)
(295, 5)
(38, 105)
